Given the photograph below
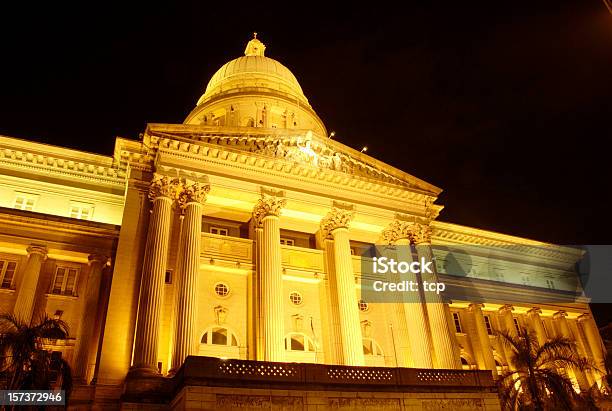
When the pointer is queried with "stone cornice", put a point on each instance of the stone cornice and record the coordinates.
(58, 224)
(447, 233)
(60, 162)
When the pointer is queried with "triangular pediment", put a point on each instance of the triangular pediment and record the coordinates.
(295, 146)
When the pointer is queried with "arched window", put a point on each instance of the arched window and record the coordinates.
(299, 342)
(371, 347)
(467, 363)
(219, 336)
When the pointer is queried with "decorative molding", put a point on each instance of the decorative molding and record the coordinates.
(60, 165)
(267, 205)
(336, 218)
(220, 314)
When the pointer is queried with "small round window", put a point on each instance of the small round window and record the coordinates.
(363, 306)
(221, 289)
(296, 298)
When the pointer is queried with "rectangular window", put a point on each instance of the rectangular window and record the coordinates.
(219, 231)
(82, 212)
(7, 273)
(516, 324)
(550, 284)
(457, 322)
(65, 281)
(24, 202)
(487, 321)
(287, 241)
(168, 277)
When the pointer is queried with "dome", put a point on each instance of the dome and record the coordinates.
(255, 91)
(254, 71)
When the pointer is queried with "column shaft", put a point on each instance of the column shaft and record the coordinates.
(24, 305)
(414, 310)
(594, 340)
(352, 345)
(86, 348)
(438, 321)
(507, 324)
(273, 326)
(152, 285)
(185, 339)
(483, 337)
(536, 324)
(564, 331)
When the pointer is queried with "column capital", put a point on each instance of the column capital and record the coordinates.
(37, 249)
(506, 308)
(97, 258)
(336, 218)
(398, 230)
(162, 186)
(475, 306)
(191, 191)
(267, 205)
(584, 317)
(421, 234)
(560, 315)
(534, 310)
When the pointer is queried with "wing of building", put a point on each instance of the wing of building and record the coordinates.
(240, 235)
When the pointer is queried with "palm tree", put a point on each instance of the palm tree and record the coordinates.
(24, 363)
(537, 383)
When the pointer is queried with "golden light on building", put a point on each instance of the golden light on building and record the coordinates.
(239, 235)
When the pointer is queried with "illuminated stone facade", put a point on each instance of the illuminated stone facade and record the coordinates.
(238, 235)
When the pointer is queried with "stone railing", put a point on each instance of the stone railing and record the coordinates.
(208, 370)
(215, 372)
(231, 248)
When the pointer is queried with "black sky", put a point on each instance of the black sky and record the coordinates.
(504, 105)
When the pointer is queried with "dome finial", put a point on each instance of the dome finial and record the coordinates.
(254, 47)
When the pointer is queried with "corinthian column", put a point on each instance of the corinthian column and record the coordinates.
(483, 337)
(191, 199)
(336, 224)
(536, 324)
(162, 193)
(86, 345)
(266, 216)
(562, 326)
(24, 305)
(594, 340)
(409, 312)
(438, 320)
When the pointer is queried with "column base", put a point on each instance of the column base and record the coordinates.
(139, 371)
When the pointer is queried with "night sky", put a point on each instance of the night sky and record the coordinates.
(505, 106)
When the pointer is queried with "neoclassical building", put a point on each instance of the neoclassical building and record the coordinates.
(218, 264)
